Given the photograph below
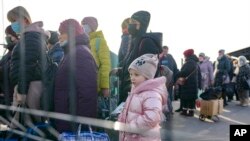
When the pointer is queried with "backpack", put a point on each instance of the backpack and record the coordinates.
(113, 56)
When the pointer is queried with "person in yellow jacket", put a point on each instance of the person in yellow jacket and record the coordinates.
(100, 51)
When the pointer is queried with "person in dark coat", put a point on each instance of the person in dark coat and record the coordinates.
(241, 85)
(189, 91)
(55, 51)
(76, 78)
(222, 69)
(27, 59)
(7, 89)
(167, 59)
(137, 29)
(125, 42)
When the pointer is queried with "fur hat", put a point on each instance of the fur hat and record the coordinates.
(146, 65)
(91, 21)
(10, 31)
(142, 16)
(70, 25)
(188, 52)
(242, 61)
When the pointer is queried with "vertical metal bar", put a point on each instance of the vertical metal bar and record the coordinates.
(72, 74)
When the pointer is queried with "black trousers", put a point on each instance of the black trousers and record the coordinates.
(188, 104)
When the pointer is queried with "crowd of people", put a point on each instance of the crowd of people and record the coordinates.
(82, 57)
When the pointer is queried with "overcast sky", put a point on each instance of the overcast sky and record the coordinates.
(204, 25)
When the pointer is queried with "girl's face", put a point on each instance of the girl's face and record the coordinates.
(136, 78)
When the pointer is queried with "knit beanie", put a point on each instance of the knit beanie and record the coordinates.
(10, 31)
(91, 21)
(242, 61)
(145, 65)
(188, 52)
(202, 55)
(70, 25)
(53, 37)
(142, 16)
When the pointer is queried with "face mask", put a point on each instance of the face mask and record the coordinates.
(86, 28)
(132, 29)
(16, 26)
(63, 43)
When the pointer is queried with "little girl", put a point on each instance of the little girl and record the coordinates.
(143, 107)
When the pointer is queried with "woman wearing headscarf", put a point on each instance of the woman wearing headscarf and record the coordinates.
(206, 68)
(76, 77)
(241, 85)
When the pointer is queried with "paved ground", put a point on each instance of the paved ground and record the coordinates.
(182, 128)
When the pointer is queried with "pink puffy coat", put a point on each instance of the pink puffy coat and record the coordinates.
(143, 109)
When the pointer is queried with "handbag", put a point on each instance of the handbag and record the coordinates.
(182, 80)
(83, 136)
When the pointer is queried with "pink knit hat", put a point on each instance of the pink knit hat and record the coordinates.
(71, 25)
(91, 21)
(146, 65)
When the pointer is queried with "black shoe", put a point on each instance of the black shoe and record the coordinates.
(225, 104)
(178, 110)
(190, 113)
(184, 112)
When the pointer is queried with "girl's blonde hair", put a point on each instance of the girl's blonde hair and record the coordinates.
(18, 12)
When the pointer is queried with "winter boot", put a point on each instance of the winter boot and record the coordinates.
(179, 110)
(190, 113)
(184, 112)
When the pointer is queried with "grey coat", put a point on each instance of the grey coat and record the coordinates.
(206, 68)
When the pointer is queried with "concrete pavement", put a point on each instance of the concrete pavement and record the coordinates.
(182, 128)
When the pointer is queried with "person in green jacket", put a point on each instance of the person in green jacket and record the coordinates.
(101, 53)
